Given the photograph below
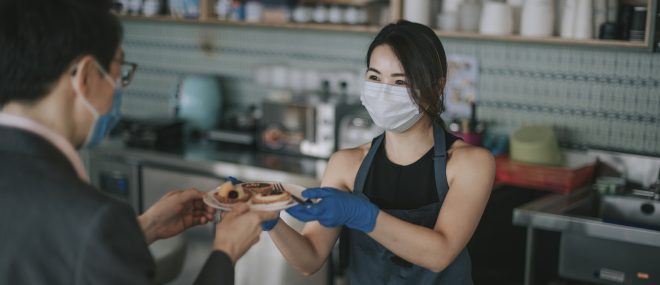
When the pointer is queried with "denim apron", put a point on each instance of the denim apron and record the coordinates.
(372, 263)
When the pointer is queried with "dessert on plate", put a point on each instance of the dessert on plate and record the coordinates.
(229, 193)
(257, 187)
(272, 196)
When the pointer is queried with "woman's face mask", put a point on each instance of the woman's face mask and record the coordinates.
(390, 106)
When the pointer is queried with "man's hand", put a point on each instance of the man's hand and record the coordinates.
(175, 212)
(239, 230)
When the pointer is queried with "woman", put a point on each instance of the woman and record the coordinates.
(412, 198)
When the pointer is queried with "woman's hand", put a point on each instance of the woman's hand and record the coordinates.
(174, 213)
(337, 208)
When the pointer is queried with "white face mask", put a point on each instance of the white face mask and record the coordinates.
(390, 106)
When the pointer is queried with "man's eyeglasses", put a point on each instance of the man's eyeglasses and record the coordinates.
(127, 72)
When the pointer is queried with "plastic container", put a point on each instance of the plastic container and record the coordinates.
(578, 171)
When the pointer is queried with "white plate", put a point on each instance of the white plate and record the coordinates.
(291, 188)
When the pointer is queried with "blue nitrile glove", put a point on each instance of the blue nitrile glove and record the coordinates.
(270, 224)
(267, 225)
(337, 208)
(233, 180)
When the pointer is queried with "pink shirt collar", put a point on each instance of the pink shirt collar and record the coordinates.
(24, 123)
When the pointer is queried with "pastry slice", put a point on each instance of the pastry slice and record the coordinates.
(272, 196)
(229, 193)
(257, 187)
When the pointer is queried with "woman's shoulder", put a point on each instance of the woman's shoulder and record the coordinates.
(343, 166)
(464, 157)
(350, 156)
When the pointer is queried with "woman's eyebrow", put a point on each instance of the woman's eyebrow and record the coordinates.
(398, 75)
(374, 70)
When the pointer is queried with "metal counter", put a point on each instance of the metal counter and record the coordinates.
(573, 213)
(211, 159)
(145, 175)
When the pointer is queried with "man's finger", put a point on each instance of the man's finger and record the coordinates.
(199, 204)
(265, 216)
(239, 209)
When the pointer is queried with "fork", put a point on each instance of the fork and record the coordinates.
(307, 203)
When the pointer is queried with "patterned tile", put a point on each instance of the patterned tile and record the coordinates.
(602, 98)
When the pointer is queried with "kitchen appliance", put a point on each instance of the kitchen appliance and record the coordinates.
(158, 133)
(605, 261)
(199, 101)
(637, 208)
(298, 127)
(356, 129)
(305, 127)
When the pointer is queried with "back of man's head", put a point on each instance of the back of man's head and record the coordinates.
(40, 39)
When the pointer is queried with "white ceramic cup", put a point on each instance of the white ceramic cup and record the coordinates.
(151, 7)
(335, 14)
(418, 11)
(538, 18)
(253, 11)
(496, 19)
(469, 13)
(320, 14)
(351, 15)
(447, 21)
(302, 14)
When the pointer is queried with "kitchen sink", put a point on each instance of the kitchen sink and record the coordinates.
(600, 242)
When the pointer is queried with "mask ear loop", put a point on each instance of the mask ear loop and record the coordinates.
(107, 76)
(76, 89)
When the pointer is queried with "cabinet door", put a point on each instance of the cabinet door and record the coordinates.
(156, 182)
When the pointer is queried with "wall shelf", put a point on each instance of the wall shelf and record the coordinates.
(396, 13)
(291, 25)
(543, 40)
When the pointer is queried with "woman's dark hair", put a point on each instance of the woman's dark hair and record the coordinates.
(423, 59)
(39, 39)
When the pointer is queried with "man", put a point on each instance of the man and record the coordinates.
(61, 73)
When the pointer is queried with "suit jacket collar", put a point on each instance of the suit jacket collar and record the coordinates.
(32, 146)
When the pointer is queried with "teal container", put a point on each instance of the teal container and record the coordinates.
(200, 102)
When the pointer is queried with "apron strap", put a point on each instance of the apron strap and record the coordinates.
(362, 173)
(440, 162)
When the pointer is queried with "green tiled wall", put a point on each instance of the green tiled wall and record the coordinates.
(594, 97)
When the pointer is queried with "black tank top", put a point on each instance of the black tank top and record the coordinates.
(393, 186)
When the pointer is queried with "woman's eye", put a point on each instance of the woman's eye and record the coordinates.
(400, 82)
(373, 77)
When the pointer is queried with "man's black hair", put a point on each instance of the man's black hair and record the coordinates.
(40, 39)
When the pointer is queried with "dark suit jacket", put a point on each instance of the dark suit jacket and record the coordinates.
(57, 229)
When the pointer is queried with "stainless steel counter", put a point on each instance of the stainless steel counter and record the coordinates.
(211, 159)
(143, 176)
(574, 213)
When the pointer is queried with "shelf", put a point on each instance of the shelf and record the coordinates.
(304, 26)
(542, 40)
(395, 6)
